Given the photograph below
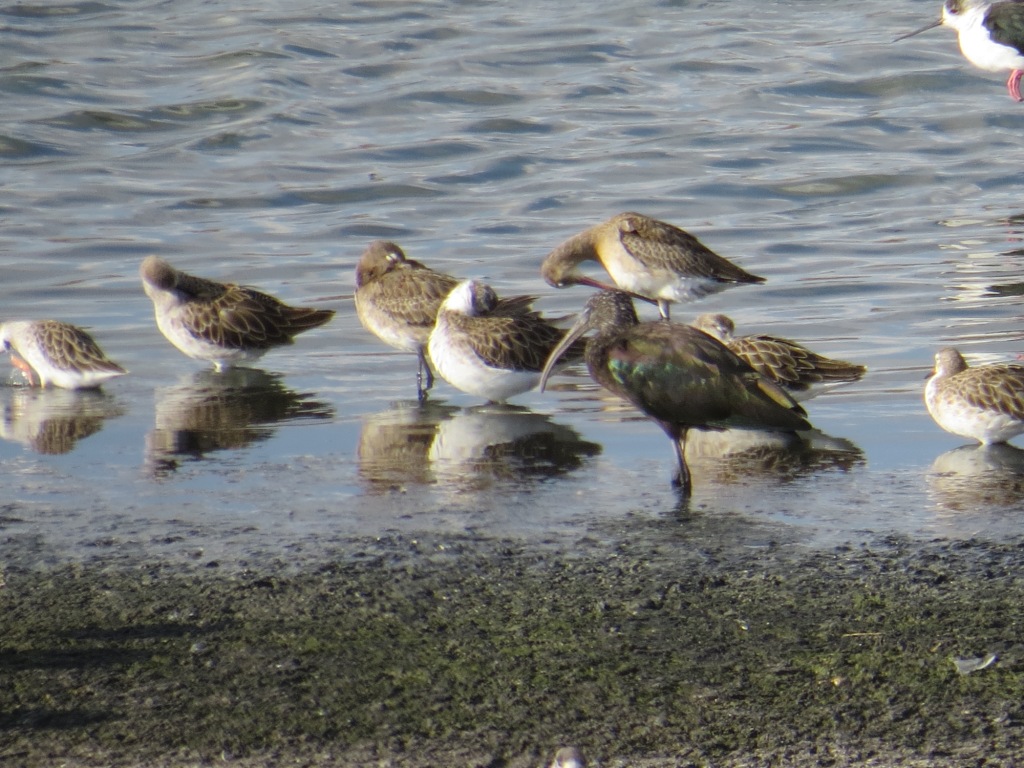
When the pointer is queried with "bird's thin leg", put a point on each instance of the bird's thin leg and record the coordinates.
(1013, 85)
(424, 366)
(681, 479)
(663, 308)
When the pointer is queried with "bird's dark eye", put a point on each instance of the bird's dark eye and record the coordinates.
(953, 7)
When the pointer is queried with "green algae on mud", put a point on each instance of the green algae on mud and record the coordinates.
(476, 653)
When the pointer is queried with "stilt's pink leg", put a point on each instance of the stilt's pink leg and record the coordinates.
(1013, 85)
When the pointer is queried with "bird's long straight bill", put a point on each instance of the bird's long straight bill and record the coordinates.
(925, 28)
(571, 335)
(592, 283)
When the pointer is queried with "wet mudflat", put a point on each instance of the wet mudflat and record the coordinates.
(658, 648)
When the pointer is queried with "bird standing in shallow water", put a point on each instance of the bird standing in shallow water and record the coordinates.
(51, 352)
(792, 366)
(984, 403)
(677, 375)
(397, 300)
(492, 348)
(645, 257)
(991, 36)
(223, 323)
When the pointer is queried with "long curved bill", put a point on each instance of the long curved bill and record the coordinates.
(581, 326)
(925, 28)
(592, 283)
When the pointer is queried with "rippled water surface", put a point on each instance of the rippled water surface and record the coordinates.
(877, 186)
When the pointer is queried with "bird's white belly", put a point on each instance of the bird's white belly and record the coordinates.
(664, 285)
(199, 349)
(984, 53)
(387, 329)
(463, 369)
(960, 418)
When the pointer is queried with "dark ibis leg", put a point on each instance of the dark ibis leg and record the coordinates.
(681, 479)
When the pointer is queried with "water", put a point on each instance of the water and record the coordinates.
(875, 184)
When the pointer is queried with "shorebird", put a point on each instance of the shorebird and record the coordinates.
(222, 323)
(490, 349)
(569, 757)
(680, 377)
(50, 352)
(397, 301)
(984, 403)
(646, 257)
(792, 366)
(991, 35)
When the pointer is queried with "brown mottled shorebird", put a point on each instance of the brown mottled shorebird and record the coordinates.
(646, 257)
(984, 403)
(397, 301)
(223, 323)
(53, 353)
(490, 349)
(680, 377)
(798, 370)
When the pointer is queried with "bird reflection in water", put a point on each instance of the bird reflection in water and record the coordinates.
(496, 443)
(974, 477)
(52, 421)
(740, 455)
(465, 449)
(212, 411)
(730, 456)
(393, 445)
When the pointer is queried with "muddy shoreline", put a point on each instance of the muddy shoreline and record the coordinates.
(419, 651)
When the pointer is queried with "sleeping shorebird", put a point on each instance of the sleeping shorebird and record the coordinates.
(397, 301)
(792, 366)
(678, 376)
(991, 36)
(488, 349)
(985, 403)
(222, 323)
(52, 353)
(646, 257)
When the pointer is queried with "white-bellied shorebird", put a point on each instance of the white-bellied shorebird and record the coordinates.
(646, 257)
(222, 323)
(397, 301)
(985, 403)
(491, 350)
(991, 36)
(54, 353)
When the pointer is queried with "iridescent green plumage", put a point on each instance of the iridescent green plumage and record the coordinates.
(677, 375)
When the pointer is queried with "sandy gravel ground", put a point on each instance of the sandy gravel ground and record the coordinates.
(657, 651)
